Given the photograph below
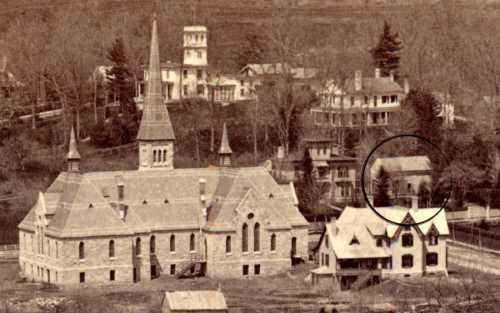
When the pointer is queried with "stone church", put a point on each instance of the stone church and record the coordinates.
(129, 226)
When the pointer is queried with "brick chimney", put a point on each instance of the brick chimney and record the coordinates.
(391, 75)
(121, 196)
(358, 80)
(377, 73)
(407, 86)
(203, 199)
(414, 204)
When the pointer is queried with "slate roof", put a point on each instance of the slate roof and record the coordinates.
(224, 146)
(195, 300)
(366, 225)
(403, 164)
(172, 201)
(155, 123)
(373, 86)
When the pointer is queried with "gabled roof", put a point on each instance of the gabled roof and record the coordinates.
(155, 123)
(269, 68)
(402, 164)
(207, 300)
(373, 86)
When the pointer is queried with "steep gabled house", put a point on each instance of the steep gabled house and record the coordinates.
(360, 247)
(128, 226)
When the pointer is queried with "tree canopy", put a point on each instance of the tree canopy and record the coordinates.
(120, 77)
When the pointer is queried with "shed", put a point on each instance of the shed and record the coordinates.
(194, 301)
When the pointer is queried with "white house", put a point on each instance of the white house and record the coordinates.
(361, 247)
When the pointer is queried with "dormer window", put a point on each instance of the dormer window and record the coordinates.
(354, 241)
(433, 240)
(144, 202)
(379, 242)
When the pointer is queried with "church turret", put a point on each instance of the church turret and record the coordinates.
(73, 156)
(225, 151)
(156, 135)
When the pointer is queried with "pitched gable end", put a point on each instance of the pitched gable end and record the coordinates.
(354, 241)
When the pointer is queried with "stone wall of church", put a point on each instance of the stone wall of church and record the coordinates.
(301, 233)
(164, 258)
(221, 263)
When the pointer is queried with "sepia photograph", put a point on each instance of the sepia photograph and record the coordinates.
(298, 156)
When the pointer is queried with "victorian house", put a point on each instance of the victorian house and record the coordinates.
(129, 226)
(361, 248)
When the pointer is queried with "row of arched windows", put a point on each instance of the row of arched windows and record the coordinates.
(159, 157)
(152, 246)
(256, 239)
(40, 243)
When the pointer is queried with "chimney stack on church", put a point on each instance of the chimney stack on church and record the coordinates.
(358, 80)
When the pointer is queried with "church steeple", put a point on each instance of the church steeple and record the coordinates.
(225, 151)
(156, 135)
(73, 156)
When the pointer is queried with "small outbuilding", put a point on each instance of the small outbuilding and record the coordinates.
(194, 301)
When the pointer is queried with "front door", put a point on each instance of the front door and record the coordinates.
(294, 246)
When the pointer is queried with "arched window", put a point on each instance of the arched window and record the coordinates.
(24, 235)
(172, 243)
(159, 156)
(57, 252)
(111, 248)
(294, 246)
(273, 242)
(154, 156)
(82, 251)
(38, 232)
(152, 245)
(327, 260)
(244, 238)
(48, 247)
(256, 238)
(192, 246)
(228, 244)
(326, 241)
(138, 246)
(164, 155)
(202, 37)
(196, 37)
(41, 240)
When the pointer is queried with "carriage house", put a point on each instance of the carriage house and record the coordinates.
(129, 226)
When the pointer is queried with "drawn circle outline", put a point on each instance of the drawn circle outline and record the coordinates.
(363, 179)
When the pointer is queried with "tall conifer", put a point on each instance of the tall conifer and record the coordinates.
(381, 197)
(120, 78)
(386, 53)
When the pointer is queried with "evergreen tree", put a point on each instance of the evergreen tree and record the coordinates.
(386, 53)
(427, 124)
(495, 194)
(305, 187)
(381, 197)
(120, 77)
(424, 195)
(440, 188)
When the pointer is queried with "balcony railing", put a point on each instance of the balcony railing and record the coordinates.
(357, 272)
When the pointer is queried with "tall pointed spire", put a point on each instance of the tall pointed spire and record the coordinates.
(155, 124)
(73, 156)
(225, 151)
(224, 146)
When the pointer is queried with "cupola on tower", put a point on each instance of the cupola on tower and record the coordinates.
(195, 46)
(156, 135)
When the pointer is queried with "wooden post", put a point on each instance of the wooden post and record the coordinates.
(95, 99)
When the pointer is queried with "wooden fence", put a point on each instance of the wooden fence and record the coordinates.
(9, 247)
(473, 212)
